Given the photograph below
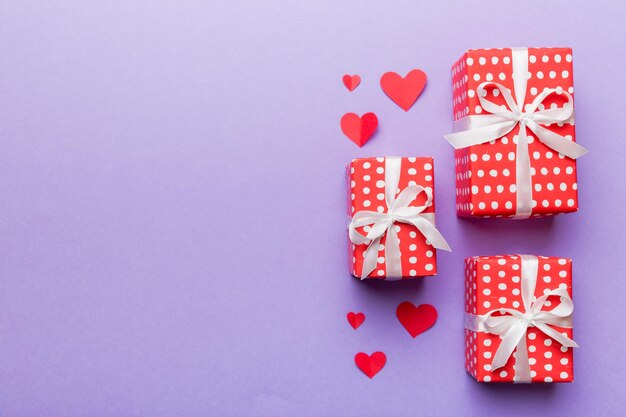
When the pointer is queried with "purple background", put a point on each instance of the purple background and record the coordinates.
(172, 220)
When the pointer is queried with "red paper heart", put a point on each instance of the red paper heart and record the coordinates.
(351, 81)
(416, 320)
(355, 319)
(370, 365)
(359, 129)
(403, 91)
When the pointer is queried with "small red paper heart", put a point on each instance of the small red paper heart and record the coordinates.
(416, 320)
(351, 81)
(403, 91)
(355, 319)
(359, 129)
(370, 365)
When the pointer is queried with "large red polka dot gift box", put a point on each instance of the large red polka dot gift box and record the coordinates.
(518, 319)
(514, 133)
(391, 210)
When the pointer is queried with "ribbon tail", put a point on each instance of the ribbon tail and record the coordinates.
(508, 344)
(430, 232)
(564, 340)
(557, 142)
(370, 257)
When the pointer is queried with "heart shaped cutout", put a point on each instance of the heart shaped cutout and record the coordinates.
(416, 320)
(351, 81)
(403, 91)
(370, 365)
(355, 319)
(359, 129)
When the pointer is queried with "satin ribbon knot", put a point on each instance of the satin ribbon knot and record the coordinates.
(529, 319)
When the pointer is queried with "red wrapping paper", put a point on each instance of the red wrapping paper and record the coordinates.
(485, 174)
(366, 185)
(493, 282)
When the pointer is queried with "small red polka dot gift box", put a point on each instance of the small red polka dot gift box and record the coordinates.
(514, 133)
(518, 319)
(391, 210)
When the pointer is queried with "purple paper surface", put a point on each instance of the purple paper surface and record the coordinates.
(173, 223)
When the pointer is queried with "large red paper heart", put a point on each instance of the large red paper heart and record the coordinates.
(416, 320)
(359, 129)
(403, 91)
(351, 81)
(370, 365)
(355, 319)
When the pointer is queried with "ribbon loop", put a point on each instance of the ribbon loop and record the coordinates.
(398, 210)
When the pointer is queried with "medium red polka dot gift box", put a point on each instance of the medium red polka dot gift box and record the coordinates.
(518, 319)
(391, 210)
(514, 137)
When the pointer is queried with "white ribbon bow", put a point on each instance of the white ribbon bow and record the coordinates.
(512, 325)
(398, 210)
(479, 129)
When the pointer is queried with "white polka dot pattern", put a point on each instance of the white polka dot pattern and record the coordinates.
(492, 164)
(490, 283)
(366, 184)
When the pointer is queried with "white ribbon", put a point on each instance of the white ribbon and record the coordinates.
(512, 325)
(398, 210)
(479, 129)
